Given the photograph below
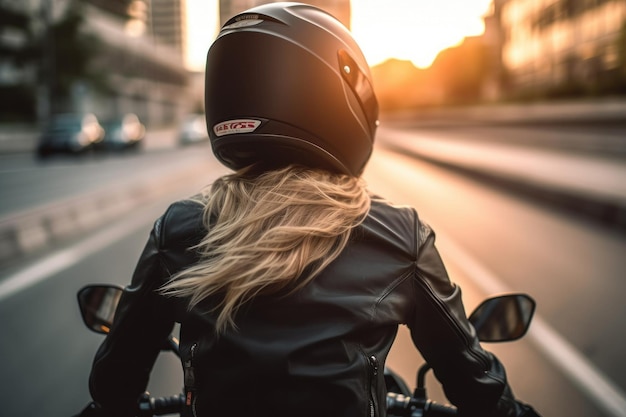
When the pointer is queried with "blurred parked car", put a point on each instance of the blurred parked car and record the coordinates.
(70, 133)
(123, 133)
(193, 130)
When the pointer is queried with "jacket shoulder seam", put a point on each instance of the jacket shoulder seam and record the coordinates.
(390, 289)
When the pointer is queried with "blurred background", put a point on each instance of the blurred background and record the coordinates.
(503, 122)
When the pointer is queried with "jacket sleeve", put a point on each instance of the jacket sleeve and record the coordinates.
(473, 379)
(122, 364)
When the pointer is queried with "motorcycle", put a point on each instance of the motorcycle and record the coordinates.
(498, 319)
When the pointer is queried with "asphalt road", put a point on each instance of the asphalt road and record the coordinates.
(492, 240)
(28, 182)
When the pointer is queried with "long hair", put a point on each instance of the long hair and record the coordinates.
(269, 231)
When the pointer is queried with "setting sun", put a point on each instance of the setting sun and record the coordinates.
(414, 30)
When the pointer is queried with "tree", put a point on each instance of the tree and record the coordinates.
(462, 70)
(73, 50)
(57, 57)
(16, 57)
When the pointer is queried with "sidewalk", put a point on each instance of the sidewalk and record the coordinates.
(591, 180)
(580, 182)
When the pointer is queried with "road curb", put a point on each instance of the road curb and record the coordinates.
(603, 200)
(35, 229)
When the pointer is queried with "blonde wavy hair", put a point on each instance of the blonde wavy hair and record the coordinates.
(267, 231)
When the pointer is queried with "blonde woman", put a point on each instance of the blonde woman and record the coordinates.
(288, 278)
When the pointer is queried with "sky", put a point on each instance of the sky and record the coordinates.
(414, 30)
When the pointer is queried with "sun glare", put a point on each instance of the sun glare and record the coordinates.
(415, 30)
(202, 26)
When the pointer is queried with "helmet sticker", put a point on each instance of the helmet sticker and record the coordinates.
(231, 127)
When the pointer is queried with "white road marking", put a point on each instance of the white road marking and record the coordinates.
(61, 260)
(591, 380)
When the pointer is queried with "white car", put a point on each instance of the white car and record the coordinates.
(193, 130)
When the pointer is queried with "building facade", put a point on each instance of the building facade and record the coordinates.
(140, 69)
(144, 61)
(561, 44)
(166, 23)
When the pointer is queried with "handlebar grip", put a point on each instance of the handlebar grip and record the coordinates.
(433, 409)
(397, 403)
(163, 405)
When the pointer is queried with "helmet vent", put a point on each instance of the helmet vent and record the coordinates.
(243, 23)
(247, 20)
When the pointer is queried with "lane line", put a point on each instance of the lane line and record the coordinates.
(597, 386)
(61, 260)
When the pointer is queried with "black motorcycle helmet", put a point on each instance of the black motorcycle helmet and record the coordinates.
(286, 83)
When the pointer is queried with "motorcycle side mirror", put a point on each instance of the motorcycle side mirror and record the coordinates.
(97, 305)
(504, 318)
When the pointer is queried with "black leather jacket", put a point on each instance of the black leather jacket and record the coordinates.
(317, 352)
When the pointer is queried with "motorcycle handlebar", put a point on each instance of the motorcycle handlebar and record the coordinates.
(151, 406)
(402, 405)
(397, 403)
(435, 410)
